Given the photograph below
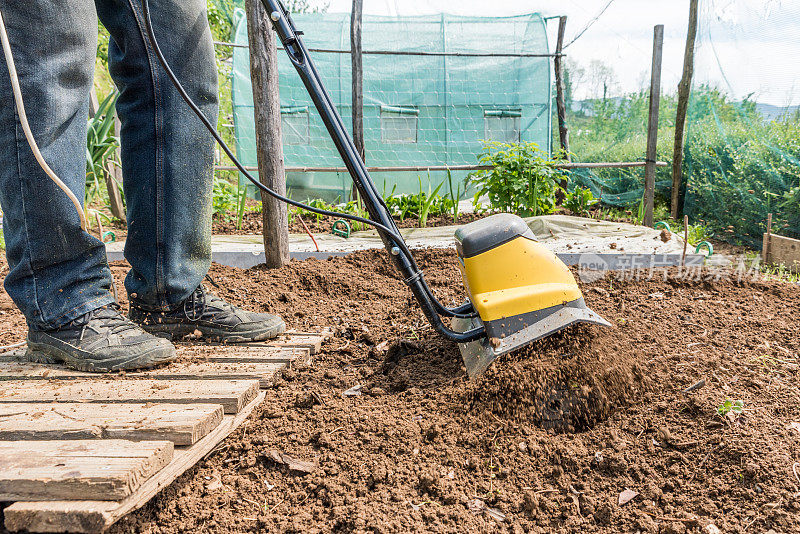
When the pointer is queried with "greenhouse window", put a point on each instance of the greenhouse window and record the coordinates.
(295, 125)
(502, 125)
(399, 125)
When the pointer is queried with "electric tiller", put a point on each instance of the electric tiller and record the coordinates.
(518, 290)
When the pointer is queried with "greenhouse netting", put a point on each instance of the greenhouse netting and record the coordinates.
(742, 156)
(436, 89)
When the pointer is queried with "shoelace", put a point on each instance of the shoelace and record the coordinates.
(201, 297)
(110, 318)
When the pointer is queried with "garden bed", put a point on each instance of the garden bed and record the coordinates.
(546, 441)
(252, 223)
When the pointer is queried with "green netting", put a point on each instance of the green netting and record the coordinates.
(743, 147)
(418, 109)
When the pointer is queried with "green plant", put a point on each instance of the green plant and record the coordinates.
(729, 406)
(101, 146)
(425, 208)
(579, 200)
(699, 232)
(522, 179)
(421, 205)
(455, 195)
(224, 198)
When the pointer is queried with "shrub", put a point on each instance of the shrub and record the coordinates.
(522, 180)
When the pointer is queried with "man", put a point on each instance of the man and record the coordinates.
(59, 276)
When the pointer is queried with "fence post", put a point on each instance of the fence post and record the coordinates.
(652, 126)
(684, 88)
(358, 75)
(269, 140)
(114, 178)
(561, 108)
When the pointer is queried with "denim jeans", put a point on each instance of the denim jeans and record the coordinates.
(57, 271)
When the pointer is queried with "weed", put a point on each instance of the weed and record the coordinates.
(729, 406)
(425, 207)
(580, 200)
(454, 195)
(225, 198)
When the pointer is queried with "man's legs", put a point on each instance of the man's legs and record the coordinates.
(59, 275)
(57, 271)
(167, 163)
(167, 154)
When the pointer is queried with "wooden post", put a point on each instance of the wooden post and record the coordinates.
(114, 178)
(685, 238)
(765, 256)
(358, 75)
(269, 140)
(652, 126)
(684, 88)
(561, 108)
(94, 103)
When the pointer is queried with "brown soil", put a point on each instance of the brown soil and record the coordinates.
(252, 223)
(545, 441)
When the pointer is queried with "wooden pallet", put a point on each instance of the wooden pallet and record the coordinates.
(117, 440)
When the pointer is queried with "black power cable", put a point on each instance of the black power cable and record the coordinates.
(460, 311)
(398, 240)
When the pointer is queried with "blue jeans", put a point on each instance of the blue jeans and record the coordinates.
(57, 271)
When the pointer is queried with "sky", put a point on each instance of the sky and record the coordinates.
(754, 41)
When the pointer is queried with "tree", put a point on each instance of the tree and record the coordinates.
(601, 78)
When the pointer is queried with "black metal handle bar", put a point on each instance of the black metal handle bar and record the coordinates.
(373, 201)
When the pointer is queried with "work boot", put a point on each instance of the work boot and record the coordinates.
(100, 341)
(210, 315)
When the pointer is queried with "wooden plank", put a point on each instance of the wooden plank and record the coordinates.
(783, 251)
(96, 516)
(269, 138)
(265, 372)
(233, 395)
(182, 424)
(249, 353)
(311, 342)
(79, 469)
(652, 126)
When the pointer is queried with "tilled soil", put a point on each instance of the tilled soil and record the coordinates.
(548, 440)
(252, 223)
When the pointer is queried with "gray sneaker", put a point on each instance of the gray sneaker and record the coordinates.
(100, 341)
(213, 317)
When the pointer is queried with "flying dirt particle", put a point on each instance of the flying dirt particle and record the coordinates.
(495, 341)
(612, 246)
(665, 235)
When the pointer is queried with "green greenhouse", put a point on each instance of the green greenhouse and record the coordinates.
(435, 89)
